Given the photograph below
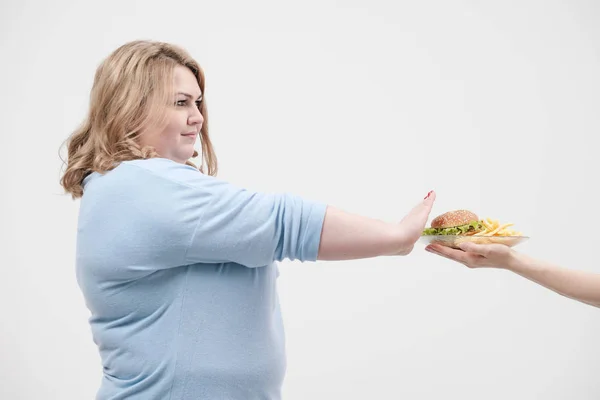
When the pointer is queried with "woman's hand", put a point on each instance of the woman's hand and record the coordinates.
(411, 226)
(477, 255)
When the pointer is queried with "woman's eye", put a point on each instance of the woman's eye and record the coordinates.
(198, 103)
(181, 103)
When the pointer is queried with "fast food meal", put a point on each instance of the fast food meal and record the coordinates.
(467, 223)
(455, 227)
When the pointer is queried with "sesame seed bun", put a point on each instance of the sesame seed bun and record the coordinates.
(454, 218)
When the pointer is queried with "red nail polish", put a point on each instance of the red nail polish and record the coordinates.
(428, 194)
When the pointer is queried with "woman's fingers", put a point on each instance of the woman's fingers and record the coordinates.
(453, 254)
(480, 249)
(427, 203)
(475, 255)
(469, 259)
(422, 210)
(490, 251)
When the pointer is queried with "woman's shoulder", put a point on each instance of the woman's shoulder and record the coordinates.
(170, 171)
(151, 173)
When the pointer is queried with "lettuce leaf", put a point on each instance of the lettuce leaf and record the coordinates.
(474, 226)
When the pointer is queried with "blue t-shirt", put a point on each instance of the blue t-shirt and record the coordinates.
(178, 271)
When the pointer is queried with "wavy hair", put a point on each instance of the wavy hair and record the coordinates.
(132, 89)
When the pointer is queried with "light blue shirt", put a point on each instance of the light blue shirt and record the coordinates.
(178, 270)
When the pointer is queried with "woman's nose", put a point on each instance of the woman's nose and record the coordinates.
(196, 119)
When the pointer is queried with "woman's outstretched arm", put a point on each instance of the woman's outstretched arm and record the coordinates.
(348, 236)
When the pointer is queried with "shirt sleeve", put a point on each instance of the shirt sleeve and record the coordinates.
(255, 229)
(220, 222)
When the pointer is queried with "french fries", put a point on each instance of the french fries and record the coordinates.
(494, 228)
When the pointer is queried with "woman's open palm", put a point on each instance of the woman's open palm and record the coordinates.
(414, 222)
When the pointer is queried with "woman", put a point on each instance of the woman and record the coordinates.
(578, 285)
(176, 266)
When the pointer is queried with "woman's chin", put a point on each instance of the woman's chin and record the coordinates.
(187, 153)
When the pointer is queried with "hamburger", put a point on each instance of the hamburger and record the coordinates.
(458, 222)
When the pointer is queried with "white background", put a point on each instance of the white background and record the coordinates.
(366, 105)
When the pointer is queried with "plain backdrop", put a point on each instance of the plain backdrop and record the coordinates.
(366, 105)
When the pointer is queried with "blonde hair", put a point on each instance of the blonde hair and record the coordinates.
(132, 89)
